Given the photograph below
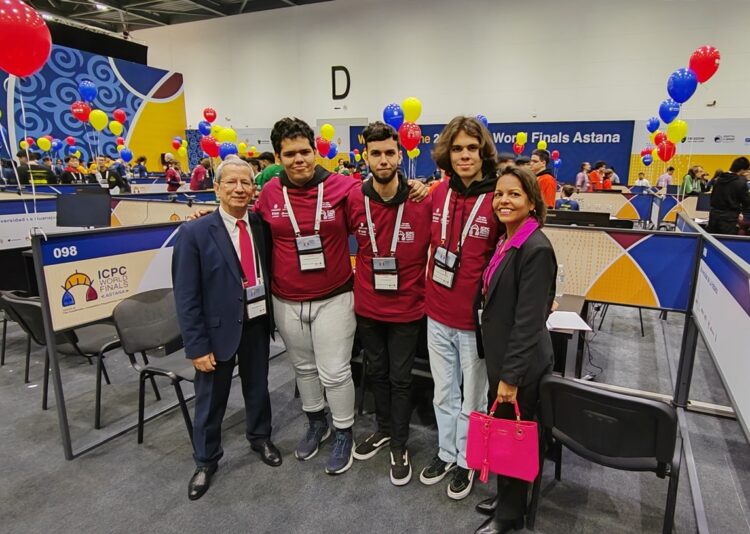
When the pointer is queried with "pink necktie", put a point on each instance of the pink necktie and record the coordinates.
(247, 258)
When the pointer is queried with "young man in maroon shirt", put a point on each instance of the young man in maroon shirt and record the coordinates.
(464, 235)
(393, 234)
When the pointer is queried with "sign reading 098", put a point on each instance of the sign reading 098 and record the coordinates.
(64, 252)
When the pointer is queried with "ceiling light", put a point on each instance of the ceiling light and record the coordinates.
(100, 7)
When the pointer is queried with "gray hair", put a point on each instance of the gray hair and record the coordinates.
(232, 161)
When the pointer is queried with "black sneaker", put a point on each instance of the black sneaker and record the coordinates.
(370, 447)
(400, 467)
(436, 471)
(460, 486)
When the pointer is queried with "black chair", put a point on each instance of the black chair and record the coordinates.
(90, 342)
(9, 315)
(611, 429)
(148, 322)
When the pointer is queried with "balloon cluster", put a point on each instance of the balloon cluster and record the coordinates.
(324, 143)
(81, 110)
(217, 141)
(180, 145)
(681, 85)
(403, 119)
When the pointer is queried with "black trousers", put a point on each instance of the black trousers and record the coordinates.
(390, 349)
(513, 492)
(212, 393)
(722, 224)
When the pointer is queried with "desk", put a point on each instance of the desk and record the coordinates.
(568, 344)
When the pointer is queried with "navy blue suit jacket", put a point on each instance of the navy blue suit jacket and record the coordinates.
(206, 275)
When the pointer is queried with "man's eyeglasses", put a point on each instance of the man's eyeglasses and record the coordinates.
(232, 184)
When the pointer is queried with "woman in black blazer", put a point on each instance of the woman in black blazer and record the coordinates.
(516, 295)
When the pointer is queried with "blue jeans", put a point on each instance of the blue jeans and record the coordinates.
(453, 359)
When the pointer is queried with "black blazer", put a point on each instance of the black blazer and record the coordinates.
(513, 336)
(208, 285)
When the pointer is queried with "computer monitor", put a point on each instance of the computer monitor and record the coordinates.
(85, 209)
(704, 202)
(673, 189)
(578, 218)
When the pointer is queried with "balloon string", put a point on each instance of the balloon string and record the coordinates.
(18, 180)
(86, 137)
(28, 158)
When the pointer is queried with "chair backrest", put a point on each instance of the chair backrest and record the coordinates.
(27, 312)
(611, 429)
(147, 321)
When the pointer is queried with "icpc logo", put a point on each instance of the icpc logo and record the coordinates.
(74, 280)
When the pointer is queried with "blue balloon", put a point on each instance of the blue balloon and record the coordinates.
(177, 138)
(668, 110)
(204, 127)
(126, 154)
(393, 115)
(647, 160)
(682, 84)
(483, 120)
(205, 156)
(88, 90)
(71, 149)
(225, 149)
(557, 163)
(332, 151)
(56, 145)
(653, 123)
(351, 156)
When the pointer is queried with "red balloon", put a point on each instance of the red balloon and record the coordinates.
(356, 151)
(410, 134)
(120, 141)
(646, 151)
(80, 110)
(660, 138)
(323, 146)
(705, 62)
(555, 155)
(30, 141)
(25, 41)
(48, 137)
(209, 114)
(210, 146)
(517, 148)
(666, 150)
(176, 144)
(70, 140)
(119, 115)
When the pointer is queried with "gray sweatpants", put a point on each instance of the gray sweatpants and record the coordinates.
(318, 336)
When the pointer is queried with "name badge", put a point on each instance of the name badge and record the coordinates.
(310, 253)
(445, 267)
(255, 301)
(385, 274)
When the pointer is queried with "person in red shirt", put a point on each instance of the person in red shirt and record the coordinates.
(545, 176)
(464, 235)
(198, 176)
(596, 177)
(607, 181)
(172, 175)
(393, 237)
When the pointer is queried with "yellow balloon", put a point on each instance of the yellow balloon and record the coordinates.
(227, 135)
(78, 154)
(24, 145)
(327, 132)
(253, 149)
(242, 147)
(542, 145)
(182, 151)
(654, 154)
(412, 107)
(115, 127)
(98, 120)
(120, 147)
(184, 143)
(412, 153)
(44, 143)
(357, 157)
(521, 138)
(677, 130)
(215, 129)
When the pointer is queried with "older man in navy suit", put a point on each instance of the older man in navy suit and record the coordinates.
(222, 287)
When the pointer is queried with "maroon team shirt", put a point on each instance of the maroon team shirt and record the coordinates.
(289, 282)
(406, 304)
(454, 307)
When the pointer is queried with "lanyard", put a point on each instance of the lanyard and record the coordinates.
(469, 221)
(371, 228)
(318, 210)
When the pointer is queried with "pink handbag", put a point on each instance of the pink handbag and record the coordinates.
(503, 446)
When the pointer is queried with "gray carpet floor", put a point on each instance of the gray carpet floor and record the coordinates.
(125, 487)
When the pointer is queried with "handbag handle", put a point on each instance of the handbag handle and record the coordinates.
(515, 405)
